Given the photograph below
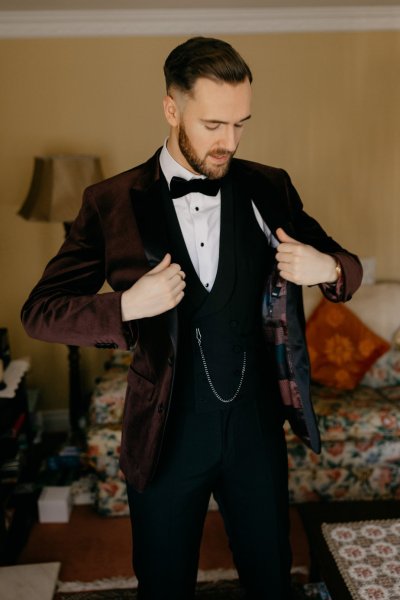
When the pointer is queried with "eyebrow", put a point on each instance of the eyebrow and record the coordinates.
(218, 122)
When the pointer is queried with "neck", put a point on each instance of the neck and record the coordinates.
(175, 152)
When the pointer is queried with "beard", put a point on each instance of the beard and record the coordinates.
(200, 165)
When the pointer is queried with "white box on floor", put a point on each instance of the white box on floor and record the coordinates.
(55, 504)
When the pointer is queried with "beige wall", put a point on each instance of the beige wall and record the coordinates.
(326, 108)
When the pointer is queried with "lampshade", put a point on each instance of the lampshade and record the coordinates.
(57, 185)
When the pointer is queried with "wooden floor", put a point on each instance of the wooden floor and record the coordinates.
(90, 547)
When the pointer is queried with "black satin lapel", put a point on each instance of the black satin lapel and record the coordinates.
(265, 195)
(195, 294)
(226, 272)
(149, 216)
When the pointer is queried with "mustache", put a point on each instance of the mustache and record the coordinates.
(221, 152)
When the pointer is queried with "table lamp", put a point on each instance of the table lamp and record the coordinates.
(55, 195)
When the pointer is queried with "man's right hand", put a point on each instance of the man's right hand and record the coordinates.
(156, 292)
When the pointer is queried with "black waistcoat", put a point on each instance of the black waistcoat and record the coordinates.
(228, 316)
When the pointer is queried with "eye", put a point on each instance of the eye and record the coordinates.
(212, 127)
(239, 125)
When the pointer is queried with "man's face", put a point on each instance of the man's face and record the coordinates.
(207, 124)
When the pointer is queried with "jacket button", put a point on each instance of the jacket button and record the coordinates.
(160, 408)
(236, 348)
(233, 323)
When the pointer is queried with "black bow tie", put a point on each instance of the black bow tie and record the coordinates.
(180, 187)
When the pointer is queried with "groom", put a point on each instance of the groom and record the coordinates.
(206, 255)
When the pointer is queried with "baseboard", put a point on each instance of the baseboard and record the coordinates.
(55, 420)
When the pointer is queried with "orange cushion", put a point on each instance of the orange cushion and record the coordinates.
(340, 346)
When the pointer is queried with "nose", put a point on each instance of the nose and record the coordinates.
(230, 138)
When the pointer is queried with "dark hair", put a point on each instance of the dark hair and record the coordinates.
(204, 57)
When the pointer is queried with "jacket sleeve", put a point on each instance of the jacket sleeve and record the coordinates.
(65, 306)
(308, 231)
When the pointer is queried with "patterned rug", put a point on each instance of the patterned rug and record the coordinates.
(367, 554)
(221, 590)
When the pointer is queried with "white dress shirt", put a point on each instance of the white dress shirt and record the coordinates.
(199, 218)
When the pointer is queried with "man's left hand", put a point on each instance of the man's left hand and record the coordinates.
(303, 264)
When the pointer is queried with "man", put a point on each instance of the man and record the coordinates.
(206, 279)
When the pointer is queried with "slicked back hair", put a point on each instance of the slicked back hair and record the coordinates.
(204, 57)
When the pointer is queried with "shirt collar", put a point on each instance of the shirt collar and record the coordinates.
(171, 168)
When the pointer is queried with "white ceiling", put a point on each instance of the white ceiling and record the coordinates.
(28, 5)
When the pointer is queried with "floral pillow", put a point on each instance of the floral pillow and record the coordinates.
(341, 347)
(386, 370)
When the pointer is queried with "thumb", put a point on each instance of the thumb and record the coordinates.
(166, 261)
(283, 237)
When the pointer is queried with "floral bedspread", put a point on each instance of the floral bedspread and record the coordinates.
(360, 457)
(360, 432)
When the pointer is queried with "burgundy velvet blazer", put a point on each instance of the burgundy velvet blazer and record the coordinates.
(118, 236)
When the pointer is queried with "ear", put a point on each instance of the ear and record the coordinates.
(171, 111)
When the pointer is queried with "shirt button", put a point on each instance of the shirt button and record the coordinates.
(196, 208)
(207, 284)
(202, 244)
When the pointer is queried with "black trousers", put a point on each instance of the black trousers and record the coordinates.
(239, 456)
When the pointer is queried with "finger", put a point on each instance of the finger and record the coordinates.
(287, 248)
(176, 298)
(164, 264)
(288, 276)
(284, 257)
(173, 270)
(285, 267)
(284, 237)
(177, 284)
(181, 274)
(180, 297)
